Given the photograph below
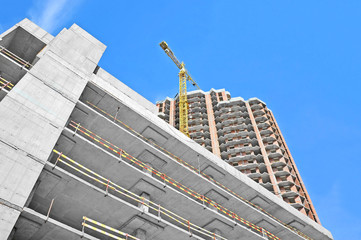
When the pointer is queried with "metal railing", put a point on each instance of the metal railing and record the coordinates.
(4, 84)
(105, 230)
(111, 187)
(194, 169)
(167, 181)
(14, 57)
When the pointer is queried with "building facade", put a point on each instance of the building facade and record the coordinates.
(245, 134)
(84, 156)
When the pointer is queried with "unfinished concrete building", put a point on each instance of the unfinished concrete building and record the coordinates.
(244, 134)
(84, 156)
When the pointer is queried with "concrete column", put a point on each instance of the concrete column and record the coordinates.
(143, 206)
(18, 174)
(212, 126)
(276, 189)
(172, 113)
(141, 234)
(11, 235)
(8, 217)
(217, 97)
(158, 106)
(34, 112)
(298, 176)
(224, 95)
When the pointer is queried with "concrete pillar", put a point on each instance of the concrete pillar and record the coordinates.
(172, 113)
(224, 95)
(11, 236)
(275, 186)
(300, 182)
(141, 234)
(212, 126)
(8, 217)
(34, 112)
(18, 174)
(143, 205)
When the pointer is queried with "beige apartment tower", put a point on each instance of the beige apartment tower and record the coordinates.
(83, 156)
(245, 134)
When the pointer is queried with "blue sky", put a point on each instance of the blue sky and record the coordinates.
(301, 57)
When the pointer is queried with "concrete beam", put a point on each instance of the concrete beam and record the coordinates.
(182, 147)
(33, 225)
(141, 234)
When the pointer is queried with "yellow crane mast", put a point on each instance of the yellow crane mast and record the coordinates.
(184, 76)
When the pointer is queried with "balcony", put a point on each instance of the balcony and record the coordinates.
(261, 119)
(258, 113)
(289, 194)
(247, 165)
(285, 183)
(21, 46)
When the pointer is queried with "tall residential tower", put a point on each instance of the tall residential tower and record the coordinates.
(245, 134)
(83, 156)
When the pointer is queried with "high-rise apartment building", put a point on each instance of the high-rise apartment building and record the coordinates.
(245, 134)
(83, 156)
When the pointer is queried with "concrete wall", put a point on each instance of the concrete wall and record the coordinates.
(105, 79)
(34, 112)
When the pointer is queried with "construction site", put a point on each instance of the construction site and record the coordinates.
(83, 156)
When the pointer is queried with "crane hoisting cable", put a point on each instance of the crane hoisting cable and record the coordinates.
(184, 76)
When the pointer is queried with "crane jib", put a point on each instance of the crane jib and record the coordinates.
(184, 76)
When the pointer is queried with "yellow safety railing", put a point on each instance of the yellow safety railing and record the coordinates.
(5, 84)
(125, 236)
(189, 166)
(168, 180)
(15, 57)
(109, 185)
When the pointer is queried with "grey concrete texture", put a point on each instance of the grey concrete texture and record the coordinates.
(33, 225)
(144, 184)
(35, 110)
(180, 145)
(31, 28)
(18, 173)
(104, 79)
(78, 48)
(75, 198)
(34, 117)
(10, 70)
(8, 218)
(140, 121)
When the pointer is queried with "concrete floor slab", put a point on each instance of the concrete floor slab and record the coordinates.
(124, 139)
(234, 179)
(91, 202)
(33, 225)
(136, 180)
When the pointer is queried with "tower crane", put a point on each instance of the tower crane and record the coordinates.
(184, 76)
